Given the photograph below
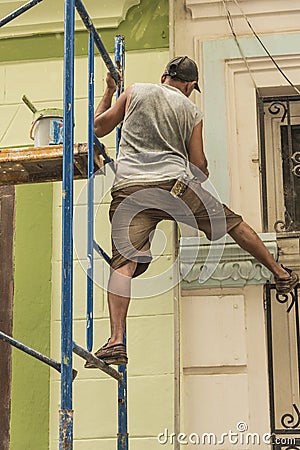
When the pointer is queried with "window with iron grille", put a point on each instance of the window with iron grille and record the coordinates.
(280, 163)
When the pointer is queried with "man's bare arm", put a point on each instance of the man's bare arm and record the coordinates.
(196, 150)
(106, 100)
(107, 117)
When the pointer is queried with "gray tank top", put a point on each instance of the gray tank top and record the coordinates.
(156, 133)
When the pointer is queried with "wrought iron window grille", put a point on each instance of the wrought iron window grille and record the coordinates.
(286, 173)
(283, 336)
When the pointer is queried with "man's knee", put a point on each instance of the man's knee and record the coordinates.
(127, 269)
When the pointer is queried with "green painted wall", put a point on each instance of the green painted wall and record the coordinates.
(146, 27)
(31, 321)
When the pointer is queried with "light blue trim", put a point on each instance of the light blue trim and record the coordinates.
(215, 53)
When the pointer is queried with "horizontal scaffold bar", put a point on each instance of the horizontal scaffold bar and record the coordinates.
(30, 351)
(97, 362)
(98, 42)
(18, 12)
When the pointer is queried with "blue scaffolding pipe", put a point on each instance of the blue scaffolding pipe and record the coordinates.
(35, 354)
(101, 252)
(120, 63)
(90, 209)
(101, 148)
(18, 12)
(122, 387)
(107, 159)
(98, 42)
(66, 412)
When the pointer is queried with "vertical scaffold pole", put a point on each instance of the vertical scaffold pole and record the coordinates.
(66, 412)
(90, 237)
(120, 63)
(122, 387)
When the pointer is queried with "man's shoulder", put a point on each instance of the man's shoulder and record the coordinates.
(145, 86)
(145, 91)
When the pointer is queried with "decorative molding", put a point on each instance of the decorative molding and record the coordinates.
(209, 9)
(236, 268)
(48, 16)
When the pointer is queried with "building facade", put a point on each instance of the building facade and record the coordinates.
(243, 370)
(204, 358)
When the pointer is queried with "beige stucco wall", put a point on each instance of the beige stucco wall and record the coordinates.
(224, 352)
(224, 362)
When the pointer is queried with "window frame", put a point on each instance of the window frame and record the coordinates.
(281, 105)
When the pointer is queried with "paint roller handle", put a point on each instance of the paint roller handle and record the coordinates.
(29, 104)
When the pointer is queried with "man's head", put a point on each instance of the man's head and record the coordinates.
(183, 73)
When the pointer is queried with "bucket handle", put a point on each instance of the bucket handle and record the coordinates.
(36, 120)
(32, 127)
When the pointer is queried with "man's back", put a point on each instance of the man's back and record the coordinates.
(156, 132)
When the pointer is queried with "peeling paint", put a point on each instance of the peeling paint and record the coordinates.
(34, 164)
(66, 429)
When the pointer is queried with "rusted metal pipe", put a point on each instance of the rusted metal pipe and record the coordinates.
(30, 351)
(66, 429)
(97, 362)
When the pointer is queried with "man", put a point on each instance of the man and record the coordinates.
(160, 168)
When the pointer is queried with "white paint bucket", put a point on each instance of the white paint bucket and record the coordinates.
(47, 127)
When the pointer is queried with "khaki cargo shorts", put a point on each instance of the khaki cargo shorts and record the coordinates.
(136, 210)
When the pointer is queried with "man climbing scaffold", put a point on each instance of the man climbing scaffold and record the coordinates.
(160, 171)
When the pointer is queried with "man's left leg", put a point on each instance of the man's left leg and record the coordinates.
(247, 239)
(119, 286)
(119, 290)
(215, 219)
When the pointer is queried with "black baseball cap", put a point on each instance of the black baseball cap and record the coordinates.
(183, 68)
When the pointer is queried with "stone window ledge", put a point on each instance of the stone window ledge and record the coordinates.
(236, 268)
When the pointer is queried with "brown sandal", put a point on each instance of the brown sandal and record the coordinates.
(114, 354)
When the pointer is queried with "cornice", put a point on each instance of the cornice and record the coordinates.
(236, 267)
(48, 16)
(209, 9)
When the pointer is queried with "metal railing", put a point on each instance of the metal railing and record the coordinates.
(283, 333)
